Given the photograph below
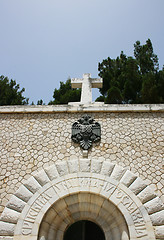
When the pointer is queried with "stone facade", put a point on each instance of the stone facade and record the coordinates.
(34, 138)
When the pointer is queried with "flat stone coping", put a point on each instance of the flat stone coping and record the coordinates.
(93, 107)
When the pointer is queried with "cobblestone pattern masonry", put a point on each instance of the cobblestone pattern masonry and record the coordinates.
(30, 141)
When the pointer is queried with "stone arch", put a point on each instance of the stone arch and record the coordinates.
(141, 211)
(83, 206)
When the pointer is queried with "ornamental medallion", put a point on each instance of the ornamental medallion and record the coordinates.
(86, 131)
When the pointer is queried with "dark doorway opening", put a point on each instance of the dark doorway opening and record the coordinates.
(84, 230)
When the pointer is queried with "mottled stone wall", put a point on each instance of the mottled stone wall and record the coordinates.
(29, 141)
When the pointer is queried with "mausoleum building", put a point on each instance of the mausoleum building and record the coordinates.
(83, 169)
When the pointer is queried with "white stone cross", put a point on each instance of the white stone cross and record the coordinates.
(86, 83)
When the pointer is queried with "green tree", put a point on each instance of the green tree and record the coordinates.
(65, 94)
(146, 59)
(132, 79)
(121, 80)
(10, 93)
(40, 102)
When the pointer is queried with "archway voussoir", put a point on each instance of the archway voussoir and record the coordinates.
(113, 181)
(94, 209)
(44, 229)
(51, 234)
(104, 213)
(107, 168)
(84, 214)
(154, 205)
(63, 226)
(62, 168)
(95, 199)
(23, 193)
(100, 220)
(84, 197)
(57, 222)
(159, 232)
(50, 215)
(71, 199)
(9, 215)
(96, 166)
(42, 178)
(73, 208)
(16, 203)
(108, 235)
(6, 229)
(157, 218)
(73, 166)
(146, 194)
(76, 216)
(128, 178)
(118, 172)
(108, 190)
(137, 186)
(115, 232)
(59, 235)
(52, 172)
(32, 184)
(85, 165)
(108, 207)
(60, 205)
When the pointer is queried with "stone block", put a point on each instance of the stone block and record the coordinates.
(32, 184)
(118, 172)
(52, 172)
(16, 203)
(73, 166)
(50, 215)
(9, 215)
(159, 232)
(6, 229)
(137, 186)
(157, 218)
(96, 166)
(154, 205)
(62, 168)
(128, 178)
(107, 168)
(85, 165)
(23, 193)
(41, 177)
(146, 194)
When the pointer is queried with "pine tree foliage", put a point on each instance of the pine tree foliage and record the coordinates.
(65, 94)
(132, 79)
(10, 93)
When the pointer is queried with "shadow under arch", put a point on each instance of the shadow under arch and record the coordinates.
(84, 230)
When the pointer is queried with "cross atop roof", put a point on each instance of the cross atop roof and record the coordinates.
(86, 83)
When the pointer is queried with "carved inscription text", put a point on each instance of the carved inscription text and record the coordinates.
(96, 185)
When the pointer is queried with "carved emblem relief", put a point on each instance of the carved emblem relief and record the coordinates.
(86, 131)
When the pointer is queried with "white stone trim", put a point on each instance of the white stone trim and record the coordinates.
(93, 107)
(42, 184)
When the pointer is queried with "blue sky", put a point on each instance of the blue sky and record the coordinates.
(43, 42)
